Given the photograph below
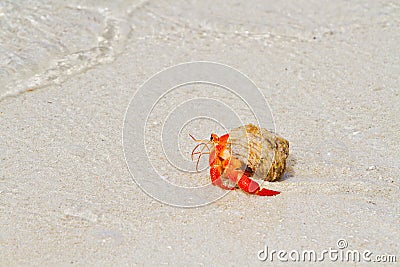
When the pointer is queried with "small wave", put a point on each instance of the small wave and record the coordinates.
(46, 44)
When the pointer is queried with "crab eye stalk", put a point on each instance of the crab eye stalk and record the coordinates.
(214, 138)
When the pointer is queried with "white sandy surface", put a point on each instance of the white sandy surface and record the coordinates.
(329, 69)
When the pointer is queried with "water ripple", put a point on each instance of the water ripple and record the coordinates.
(44, 44)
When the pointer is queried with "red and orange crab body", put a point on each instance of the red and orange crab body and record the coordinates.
(225, 170)
(247, 153)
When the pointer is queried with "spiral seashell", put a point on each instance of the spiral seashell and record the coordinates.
(263, 153)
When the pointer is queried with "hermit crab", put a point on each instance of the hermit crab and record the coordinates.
(244, 158)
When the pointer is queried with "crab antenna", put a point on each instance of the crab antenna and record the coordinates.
(201, 153)
(199, 140)
(194, 149)
(205, 144)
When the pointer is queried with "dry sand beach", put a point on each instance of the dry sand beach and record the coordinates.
(68, 70)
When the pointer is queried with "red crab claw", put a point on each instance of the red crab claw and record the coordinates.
(215, 172)
(248, 185)
(212, 158)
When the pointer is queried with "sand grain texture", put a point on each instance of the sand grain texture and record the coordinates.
(330, 71)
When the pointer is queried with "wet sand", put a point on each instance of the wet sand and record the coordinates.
(329, 71)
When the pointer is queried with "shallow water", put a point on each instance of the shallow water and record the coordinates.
(44, 43)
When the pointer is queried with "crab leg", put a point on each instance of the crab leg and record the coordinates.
(215, 174)
(267, 192)
(248, 185)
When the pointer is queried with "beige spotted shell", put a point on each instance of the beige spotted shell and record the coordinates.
(262, 153)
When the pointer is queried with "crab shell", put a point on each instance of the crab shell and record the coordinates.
(262, 153)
